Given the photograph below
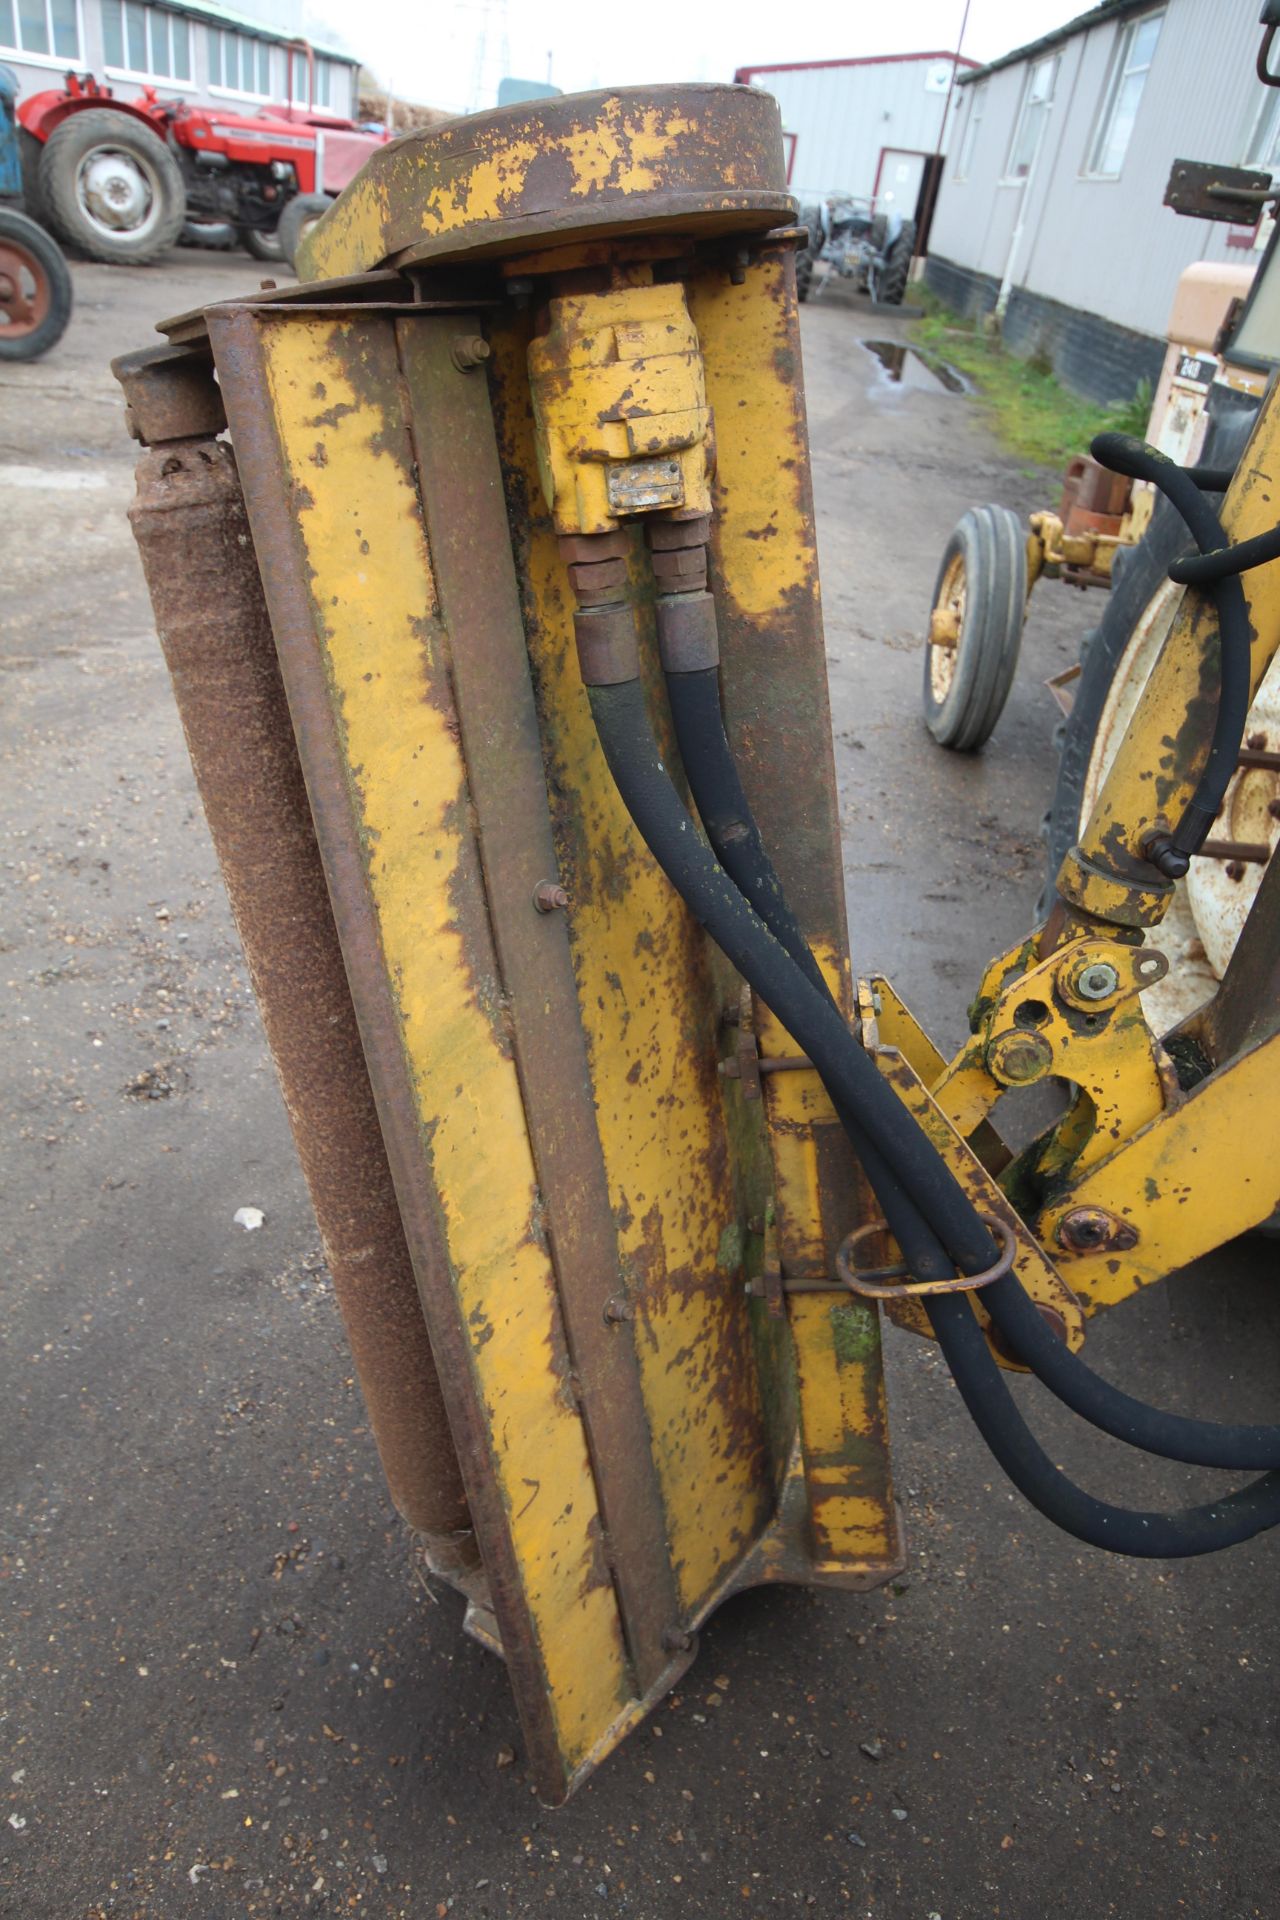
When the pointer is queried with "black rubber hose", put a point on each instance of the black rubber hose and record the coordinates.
(1143, 1536)
(622, 723)
(1123, 454)
(1211, 479)
(1202, 569)
(735, 840)
(1197, 1443)
(726, 813)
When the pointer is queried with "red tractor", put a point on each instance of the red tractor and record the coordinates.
(119, 180)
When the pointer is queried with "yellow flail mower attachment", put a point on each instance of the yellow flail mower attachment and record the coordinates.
(484, 563)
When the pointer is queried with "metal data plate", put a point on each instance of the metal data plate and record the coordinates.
(583, 1193)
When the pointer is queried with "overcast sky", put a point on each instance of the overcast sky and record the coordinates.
(453, 53)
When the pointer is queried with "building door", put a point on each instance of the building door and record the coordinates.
(898, 181)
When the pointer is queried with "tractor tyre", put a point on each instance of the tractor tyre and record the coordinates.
(891, 283)
(30, 154)
(297, 220)
(215, 236)
(1113, 654)
(111, 187)
(1199, 929)
(1115, 658)
(263, 246)
(805, 263)
(981, 595)
(35, 288)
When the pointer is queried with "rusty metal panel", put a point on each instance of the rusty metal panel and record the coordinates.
(777, 711)
(316, 412)
(652, 1005)
(462, 496)
(192, 532)
(704, 159)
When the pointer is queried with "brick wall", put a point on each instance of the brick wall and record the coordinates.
(1092, 357)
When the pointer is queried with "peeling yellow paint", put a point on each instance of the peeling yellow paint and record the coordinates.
(359, 523)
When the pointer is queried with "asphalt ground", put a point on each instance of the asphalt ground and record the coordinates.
(226, 1690)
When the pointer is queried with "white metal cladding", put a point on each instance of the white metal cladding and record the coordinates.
(273, 20)
(1107, 246)
(845, 114)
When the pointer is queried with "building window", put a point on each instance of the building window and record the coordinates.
(330, 91)
(1037, 99)
(240, 63)
(969, 139)
(1135, 49)
(1264, 142)
(48, 27)
(147, 41)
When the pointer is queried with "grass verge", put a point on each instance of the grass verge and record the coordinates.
(1035, 417)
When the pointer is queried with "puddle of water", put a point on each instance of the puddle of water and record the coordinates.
(904, 367)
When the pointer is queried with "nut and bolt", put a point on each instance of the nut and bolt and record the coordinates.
(676, 1640)
(469, 350)
(1097, 981)
(549, 896)
(1019, 1056)
(1256, 742)
(618, 1310)
(1235, 869)
(1086, 1229)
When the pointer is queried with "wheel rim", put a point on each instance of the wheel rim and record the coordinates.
(25, 291)
(118, 192)
(950, 605)
(1203, 922)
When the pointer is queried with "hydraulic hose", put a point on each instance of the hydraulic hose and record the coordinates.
(1143, 1536)
(1124, 454)
(622, 723)
(735, 840)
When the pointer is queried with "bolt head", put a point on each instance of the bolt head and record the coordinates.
(1086, 1229)
(1019, 1056)
(1098, 981)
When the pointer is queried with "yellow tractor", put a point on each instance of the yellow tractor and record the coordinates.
(1111, 531)
(484, 562)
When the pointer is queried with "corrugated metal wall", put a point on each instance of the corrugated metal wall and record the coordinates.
(1107, 246)
(844, 116)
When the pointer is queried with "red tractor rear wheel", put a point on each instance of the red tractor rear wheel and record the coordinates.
(111, 186)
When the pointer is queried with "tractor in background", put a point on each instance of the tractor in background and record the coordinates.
(120, 180)
(873, 249)
(1115, 534)
(35, 286)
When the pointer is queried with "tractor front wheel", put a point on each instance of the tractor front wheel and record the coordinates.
(35, 288)
(263, 246)
(975, 627)
(111, 187)
(299, 217)
(890, 281)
